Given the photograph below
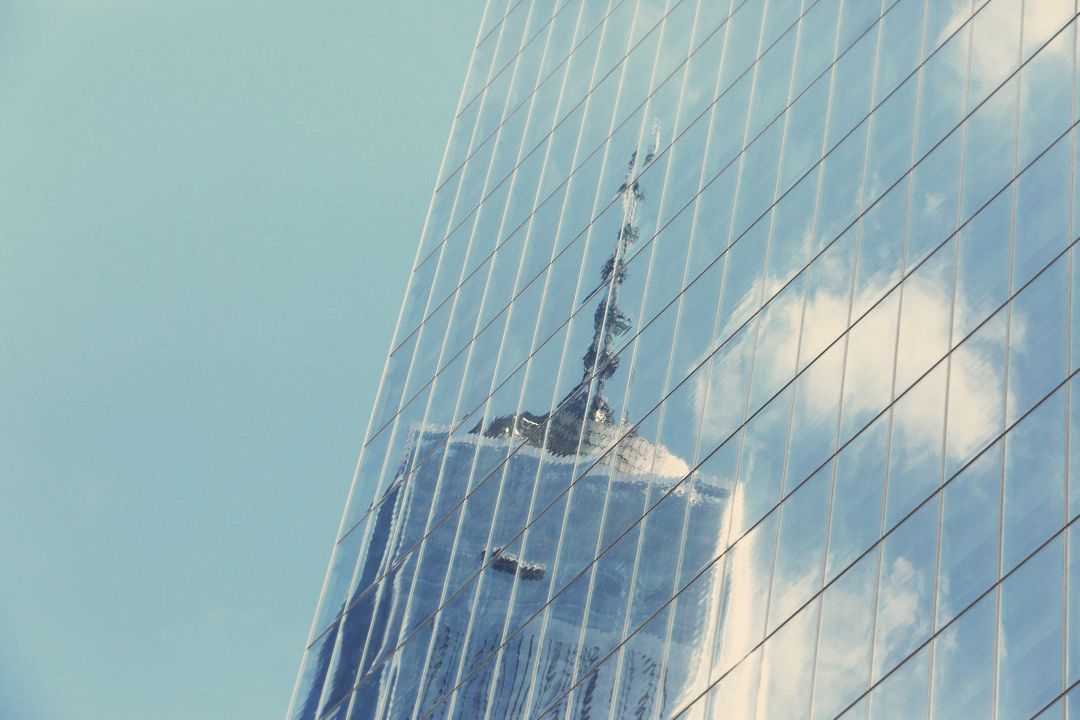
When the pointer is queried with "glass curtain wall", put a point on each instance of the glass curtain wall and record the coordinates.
(736, 376)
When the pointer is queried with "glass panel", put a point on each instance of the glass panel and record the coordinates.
(857, 18)
(925, 317)
(857, 497)
(805, 131)
(941, 95)
(869, 373)
(312, 677)
(1074, 448)
(847, 619)
(970, 534)
(1046, 79)
(742, 614)
(341, 575)
(787, 668)
(995, 48)
(1074, 291)
(724, 397)
(800, 554)
(778, 345)
(988, 149)
(742, 280)
(963, 677)
(976, 393)
(891, 138)
(736, 693)
(1030, 648)
(762, 468)
(906, 589)
(821, 23)
(1042, 213)
(1073, 609)
(881, 249)
(934, 198)
(691, 638)
(827, 303)
(744, 32)
(898, 53)
(813, 424)
(851, 88)
(915, 452)
(904, 694)
(1034, 479)
(840, 196)
(1042, 18)
(771, 84)
(792, 233)
(982, 276)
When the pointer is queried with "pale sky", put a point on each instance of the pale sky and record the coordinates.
(207, 214)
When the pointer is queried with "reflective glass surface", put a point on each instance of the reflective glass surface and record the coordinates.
(735, 377)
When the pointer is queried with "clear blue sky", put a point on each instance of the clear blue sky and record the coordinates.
(207, 213)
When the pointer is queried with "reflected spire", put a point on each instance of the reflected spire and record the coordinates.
(609, 321)
(565, 433)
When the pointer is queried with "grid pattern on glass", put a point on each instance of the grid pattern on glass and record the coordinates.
(825, 410)
(737, 159)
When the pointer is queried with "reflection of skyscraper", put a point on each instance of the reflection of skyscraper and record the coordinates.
(820, 459)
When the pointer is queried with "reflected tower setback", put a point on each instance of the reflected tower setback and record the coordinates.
(734, 376)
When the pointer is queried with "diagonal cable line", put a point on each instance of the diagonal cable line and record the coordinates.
(1057, 697)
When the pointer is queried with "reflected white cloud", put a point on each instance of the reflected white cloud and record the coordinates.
(976, 389)
(901, 615)
(996, 36)
(975, 392)
(747, 572)
(975, 379)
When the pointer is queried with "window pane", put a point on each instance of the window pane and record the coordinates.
(963, 682)
(969, 534)
(1034, 479)
(1030, 647)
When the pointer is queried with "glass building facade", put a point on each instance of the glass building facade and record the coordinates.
(736, 376)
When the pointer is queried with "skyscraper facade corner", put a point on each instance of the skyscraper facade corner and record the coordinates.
(736, 376)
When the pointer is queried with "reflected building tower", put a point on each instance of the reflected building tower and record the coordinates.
(774, 420)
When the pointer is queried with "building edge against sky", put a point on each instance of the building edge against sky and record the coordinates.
(735, 376)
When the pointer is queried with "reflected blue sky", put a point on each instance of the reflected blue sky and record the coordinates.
(207, 215)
